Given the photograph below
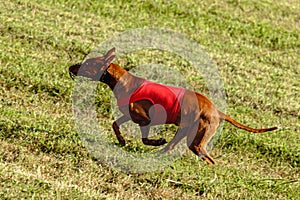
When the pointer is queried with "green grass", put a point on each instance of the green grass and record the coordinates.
(256, 46)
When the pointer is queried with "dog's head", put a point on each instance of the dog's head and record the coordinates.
(93, 68)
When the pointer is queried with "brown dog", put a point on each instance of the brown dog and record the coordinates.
(196, 116)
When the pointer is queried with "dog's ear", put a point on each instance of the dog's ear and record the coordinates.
(110, 55)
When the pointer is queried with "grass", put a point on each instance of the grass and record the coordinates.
(255, 45)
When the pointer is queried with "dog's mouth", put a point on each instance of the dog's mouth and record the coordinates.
(72, 75)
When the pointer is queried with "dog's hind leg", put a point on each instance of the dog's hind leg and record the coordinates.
(145, 132)
(197, 143)
(116, 128)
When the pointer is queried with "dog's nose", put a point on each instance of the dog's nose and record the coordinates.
(73, 70)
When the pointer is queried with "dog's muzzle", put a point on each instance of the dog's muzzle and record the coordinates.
(73, 70)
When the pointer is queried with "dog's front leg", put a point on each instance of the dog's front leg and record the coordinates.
(116, 128)
(145, 132)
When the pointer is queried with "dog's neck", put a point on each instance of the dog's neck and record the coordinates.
(121, 82)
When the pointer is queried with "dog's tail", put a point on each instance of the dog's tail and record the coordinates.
(241, 126)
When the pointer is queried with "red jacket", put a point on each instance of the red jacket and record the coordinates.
(166, 100)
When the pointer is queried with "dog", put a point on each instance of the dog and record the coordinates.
(147, 103)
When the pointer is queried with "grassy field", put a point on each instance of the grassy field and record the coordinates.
(256, 46)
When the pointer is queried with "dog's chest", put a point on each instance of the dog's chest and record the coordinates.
(166, 101)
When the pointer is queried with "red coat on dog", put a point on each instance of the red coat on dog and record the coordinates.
(166, 101)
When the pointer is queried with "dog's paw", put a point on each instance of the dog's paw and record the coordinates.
(121, 141)
(161, 141)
